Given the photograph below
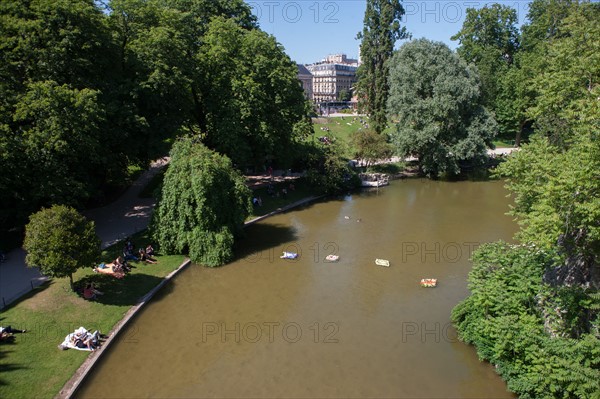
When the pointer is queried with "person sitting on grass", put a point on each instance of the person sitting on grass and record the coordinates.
(90, 292)
(128, 254)
(121, 265)
(149, 250)
(83, 339)
(145, 258)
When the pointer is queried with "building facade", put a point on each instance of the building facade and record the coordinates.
(332, 76)
(324, 81)
(306, 78)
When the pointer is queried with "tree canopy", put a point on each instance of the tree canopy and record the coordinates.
(59, 241)
(533, 310)
(435, 101)
(203, 204)
(380, 32)
(88, 89)
(489, 39)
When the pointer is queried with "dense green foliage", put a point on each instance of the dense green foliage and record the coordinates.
(380, 33)
(371, 146)
(203, 204)
(533, 309)
(436, 104)
(505, 319)
(489, 39)
(531, 77)
(557, 194)
(59, 241)
(327, 168)
(89, 88)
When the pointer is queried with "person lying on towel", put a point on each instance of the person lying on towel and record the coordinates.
(110, 269)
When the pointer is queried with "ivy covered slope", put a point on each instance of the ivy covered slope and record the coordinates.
(534, 309)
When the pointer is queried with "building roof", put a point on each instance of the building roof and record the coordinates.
(302, 70)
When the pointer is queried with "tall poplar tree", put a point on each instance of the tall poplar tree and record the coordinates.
(381, 31)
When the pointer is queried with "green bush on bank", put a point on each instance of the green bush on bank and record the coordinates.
(506, 318)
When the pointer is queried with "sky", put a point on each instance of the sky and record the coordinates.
(310, 30)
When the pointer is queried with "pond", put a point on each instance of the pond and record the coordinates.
(269, 327)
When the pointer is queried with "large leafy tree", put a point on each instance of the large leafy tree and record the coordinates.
(381, 31)
(371, 146)
(55, 142)
(569, 86)
(532, 310)
(203, 204)
(436, 102)
(59, 240)
(255, 98)
(520, 92)
(489, 38)
(88, 88)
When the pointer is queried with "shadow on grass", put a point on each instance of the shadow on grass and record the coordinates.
(122, 292)
(7, 367)
(29, 295)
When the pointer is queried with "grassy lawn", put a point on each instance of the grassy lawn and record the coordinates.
(341, 128)
(504, 143)
(32, 365)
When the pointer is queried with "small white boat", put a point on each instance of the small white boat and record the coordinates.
(428, 282)
(332, 258)
(382, 262)
(373, 179)
(289, 255)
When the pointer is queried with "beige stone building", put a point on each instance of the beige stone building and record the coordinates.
(331, 76)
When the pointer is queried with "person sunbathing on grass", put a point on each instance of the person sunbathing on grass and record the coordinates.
(122, 265)
(109, 268)
(7, 332)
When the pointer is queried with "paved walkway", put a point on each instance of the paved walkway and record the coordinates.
(127, 215)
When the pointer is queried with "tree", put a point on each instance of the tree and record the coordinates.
(371, 146)
(556, 198)
(255, 98)
(54, 140)
(344, 95)
(203, 204)
(436, 101)
(328, 170)
(520, 92)
(568, 87)
(489, 39)
(380, 33)
(59, 241)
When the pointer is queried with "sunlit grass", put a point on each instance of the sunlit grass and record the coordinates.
(32, 365)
